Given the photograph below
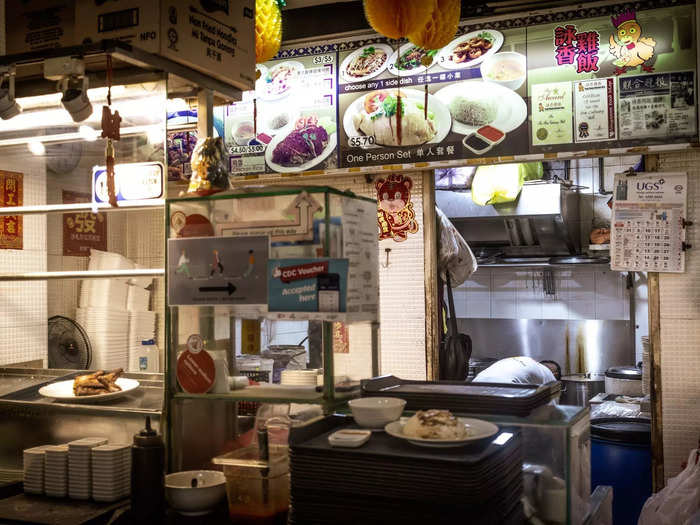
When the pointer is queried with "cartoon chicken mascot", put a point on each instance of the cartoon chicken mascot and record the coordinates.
(395, 214)
(631, 48)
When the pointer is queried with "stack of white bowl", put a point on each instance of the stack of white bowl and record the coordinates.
(79, 466)
(299, 377)
(111, 472)
(142, 327)
(138, 296)
(34, 469)
(56, 471)
(107, 330)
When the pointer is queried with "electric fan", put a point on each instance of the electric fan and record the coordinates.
(69, 345)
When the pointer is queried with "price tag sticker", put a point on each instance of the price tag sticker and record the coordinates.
(195, 343)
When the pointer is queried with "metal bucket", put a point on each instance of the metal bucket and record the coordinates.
(578, 389)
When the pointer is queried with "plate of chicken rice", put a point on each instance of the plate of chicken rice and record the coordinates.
(91, 388)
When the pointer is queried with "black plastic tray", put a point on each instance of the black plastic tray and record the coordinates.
(485, 398)
(381, 446)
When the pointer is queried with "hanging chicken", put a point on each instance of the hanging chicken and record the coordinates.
(630, 48)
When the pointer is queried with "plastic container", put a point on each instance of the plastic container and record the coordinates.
(257, 489)
(621, 458)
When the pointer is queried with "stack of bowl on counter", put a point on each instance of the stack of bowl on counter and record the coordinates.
(87, 468)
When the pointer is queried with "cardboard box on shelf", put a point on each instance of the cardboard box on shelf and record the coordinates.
(216, 37)
(34, 25)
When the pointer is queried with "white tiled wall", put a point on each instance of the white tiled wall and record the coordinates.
(518, 294)
(23, 304)
(680, 331)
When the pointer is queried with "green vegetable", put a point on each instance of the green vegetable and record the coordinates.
(389, 106)
(486, 36)
(368, 51)
(420, 106)
(327, 124)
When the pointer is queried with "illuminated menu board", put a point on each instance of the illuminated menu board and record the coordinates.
(598, 79)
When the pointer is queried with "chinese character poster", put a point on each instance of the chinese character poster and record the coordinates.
(631, 75)
(83, 230)
(11, 194)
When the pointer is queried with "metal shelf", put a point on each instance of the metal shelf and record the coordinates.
(83, 206)
(271, 394)
(129, 63)
(84, 274)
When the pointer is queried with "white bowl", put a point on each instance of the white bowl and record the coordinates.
(495, 59)
(199, 500)
(376, 412)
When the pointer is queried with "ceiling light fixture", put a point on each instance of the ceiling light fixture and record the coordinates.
(8, 105)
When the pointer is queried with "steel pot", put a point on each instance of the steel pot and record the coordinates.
(624, 381)
(578, 389)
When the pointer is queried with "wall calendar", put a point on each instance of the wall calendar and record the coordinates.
(648, 222)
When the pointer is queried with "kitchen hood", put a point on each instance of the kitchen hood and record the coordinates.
(544, 221)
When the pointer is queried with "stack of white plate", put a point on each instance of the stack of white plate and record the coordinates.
(56, 471)
(299, 377)
(79, 461)
(111, 472)
(34, 469)
(107, 330)
(142, 327)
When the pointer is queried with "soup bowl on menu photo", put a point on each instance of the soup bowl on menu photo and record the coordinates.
(507, 69)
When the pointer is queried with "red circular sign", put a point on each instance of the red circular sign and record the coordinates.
(195, 372)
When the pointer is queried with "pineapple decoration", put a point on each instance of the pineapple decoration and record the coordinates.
(398, 18)
(441, 27)
(268, 28)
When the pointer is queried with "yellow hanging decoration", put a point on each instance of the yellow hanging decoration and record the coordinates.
(441, 27)
(268, 30)
(398, 18)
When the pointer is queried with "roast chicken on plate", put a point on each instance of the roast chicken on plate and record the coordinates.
(97, 383)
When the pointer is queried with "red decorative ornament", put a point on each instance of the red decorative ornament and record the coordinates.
(395, 215)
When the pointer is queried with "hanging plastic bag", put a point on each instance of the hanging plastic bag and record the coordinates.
(454, 253)
(678, 501)
(209, 171)
(499, 183)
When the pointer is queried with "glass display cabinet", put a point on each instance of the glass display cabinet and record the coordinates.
(279, 288)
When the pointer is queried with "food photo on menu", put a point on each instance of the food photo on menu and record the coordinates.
(474, 104)
(288, 124)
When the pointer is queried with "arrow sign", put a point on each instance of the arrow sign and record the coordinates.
(228, 288)
(298, 228)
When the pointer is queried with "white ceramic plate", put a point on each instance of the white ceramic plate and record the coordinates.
(478, 430)
(348, 60)
(418, 70)
(443, 57)
(512, 110)
(276, 94)
(443, 119)
(63, 391)
(330, 148)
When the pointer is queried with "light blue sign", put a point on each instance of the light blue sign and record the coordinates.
(307, 285)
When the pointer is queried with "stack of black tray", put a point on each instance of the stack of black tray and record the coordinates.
(464, 398)
(388, 480)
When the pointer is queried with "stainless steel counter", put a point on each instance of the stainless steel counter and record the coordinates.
(28, 419)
